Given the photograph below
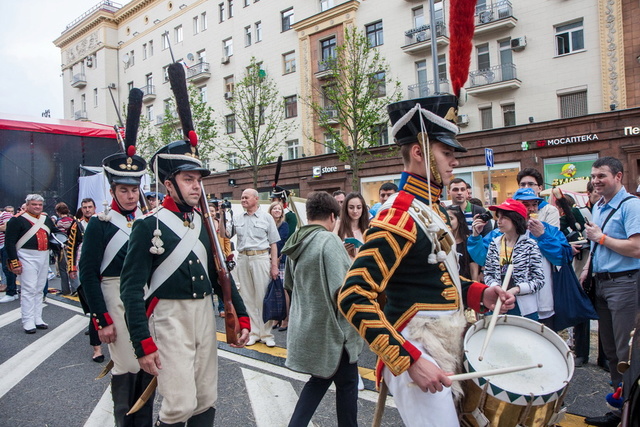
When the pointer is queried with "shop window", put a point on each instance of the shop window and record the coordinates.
(573, 104)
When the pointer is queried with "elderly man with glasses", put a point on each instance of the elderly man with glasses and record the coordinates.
(531, 178)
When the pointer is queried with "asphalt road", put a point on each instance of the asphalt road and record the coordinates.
(48, 379)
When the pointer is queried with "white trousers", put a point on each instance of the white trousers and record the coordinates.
(418, 408)
(35, 267)
(121, 351)
(185, 333)
(254, 275)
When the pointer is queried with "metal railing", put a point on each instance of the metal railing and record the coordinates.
(78, 78)
(499, 73)
(495, 12)
(199, 68)
(423, 33)
(109, 6)
(326, 64)
(148, 90)
(80, 115)
(162, 118)
(420, 90)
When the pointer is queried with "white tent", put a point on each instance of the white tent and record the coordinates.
(93, 184)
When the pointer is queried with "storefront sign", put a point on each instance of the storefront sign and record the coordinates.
(631, 130)
(565, 140)
(561, 173)
(319, 170)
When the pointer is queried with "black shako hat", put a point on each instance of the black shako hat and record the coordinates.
(121, 168)
(279, 193)
(176, 157)
(443, 106)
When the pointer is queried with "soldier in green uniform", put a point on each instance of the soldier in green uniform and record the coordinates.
(409, 253)
(104, 247)
(168, 279)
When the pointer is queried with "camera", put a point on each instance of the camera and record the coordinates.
(485, 216)
(221, 204)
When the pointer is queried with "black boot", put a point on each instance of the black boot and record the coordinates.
(161, 424)
(204, 419)
(143, 417)
(123, 390)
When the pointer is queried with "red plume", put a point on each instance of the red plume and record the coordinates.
(461, 29)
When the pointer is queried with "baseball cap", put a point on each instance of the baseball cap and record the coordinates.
(526, 194)
(511, 205)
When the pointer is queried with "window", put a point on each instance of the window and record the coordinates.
(247, 36)
(177, 34)
(290, 106)
(144, 51)
(149, 80)
(165, 40)
(129, 86)
(233, 161)
(442, 67)
(247, 3)
(293, 149)
(230, 8)
(229, 84)
(258, 31)
(230, 123)
(227, 47)
(289, 61)
(196, 25)
(418, 17)
(506, 59)
(150, 48)
(483, 57)
(569, 38)
(201, 56)
(377, 81)
(149, 113)
(328, 49)
(221, 12)
(485, 118)
(168, 109)
(83, 102)
(73, 106)
(573, 104)
(203, 93)
(287, 19)
(374, 34)
(95, 97)
(381, 134)
(132, 59)
(203, 21)
(329, 144)
(421, 76)
(252, 112)
(509, 114)
(165, 73)
(325, 5)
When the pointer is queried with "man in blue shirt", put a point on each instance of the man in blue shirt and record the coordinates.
(615, 245)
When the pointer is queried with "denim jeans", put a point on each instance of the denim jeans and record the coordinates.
(11, 278)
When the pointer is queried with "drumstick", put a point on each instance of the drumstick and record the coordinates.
(490, 372)
(496, 311)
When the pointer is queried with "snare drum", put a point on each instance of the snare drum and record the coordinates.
(528, 398)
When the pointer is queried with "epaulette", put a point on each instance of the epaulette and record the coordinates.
(396, 219)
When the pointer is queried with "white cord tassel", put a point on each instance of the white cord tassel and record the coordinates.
(156, 241)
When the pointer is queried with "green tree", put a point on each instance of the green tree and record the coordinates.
(350, 107)
(257, 127)
(151, 137)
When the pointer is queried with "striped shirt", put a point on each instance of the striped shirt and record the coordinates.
(4, 218)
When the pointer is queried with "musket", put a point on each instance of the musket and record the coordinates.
(178, 82)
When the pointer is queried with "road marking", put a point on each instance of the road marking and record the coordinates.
(10, 317)
(24, 362)
(368, 395)
(102, 415)
(272, 399)
(65, 305)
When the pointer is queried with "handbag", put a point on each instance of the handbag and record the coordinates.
(274, 306)
(571, 303)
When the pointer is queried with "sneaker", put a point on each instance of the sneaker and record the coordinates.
(360, 383)
(269, 342)
(8, 298)
(251, 341)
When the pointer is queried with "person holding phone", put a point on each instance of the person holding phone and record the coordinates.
(353, 222)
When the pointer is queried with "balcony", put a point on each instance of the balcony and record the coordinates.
(148, 93)
(325, 68)
(330, 115)
(162, 119)
(494, 79)
(79, 81)
(198, 72)
(418, 40)
(420, 90)
(498, 16)
(80, 115)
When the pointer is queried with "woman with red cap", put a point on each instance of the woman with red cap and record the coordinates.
(514, 247)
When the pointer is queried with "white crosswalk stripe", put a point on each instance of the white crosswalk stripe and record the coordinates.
(102, 415)
(272, 399)
(19, 366)
(9, 317)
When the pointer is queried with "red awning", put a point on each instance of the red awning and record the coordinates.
(56, 126)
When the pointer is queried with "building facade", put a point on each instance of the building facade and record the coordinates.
(539, 70)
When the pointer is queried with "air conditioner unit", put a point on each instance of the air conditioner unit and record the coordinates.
(518, 43)
(331, 114)
(228, 95)
(463, 120)
(205, 67)
(224, 60)
(90, 61)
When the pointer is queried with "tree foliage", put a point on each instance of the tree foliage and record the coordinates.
(351, 106)
(259, 117)
(152, 137)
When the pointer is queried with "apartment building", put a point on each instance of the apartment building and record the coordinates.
(540, 70)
